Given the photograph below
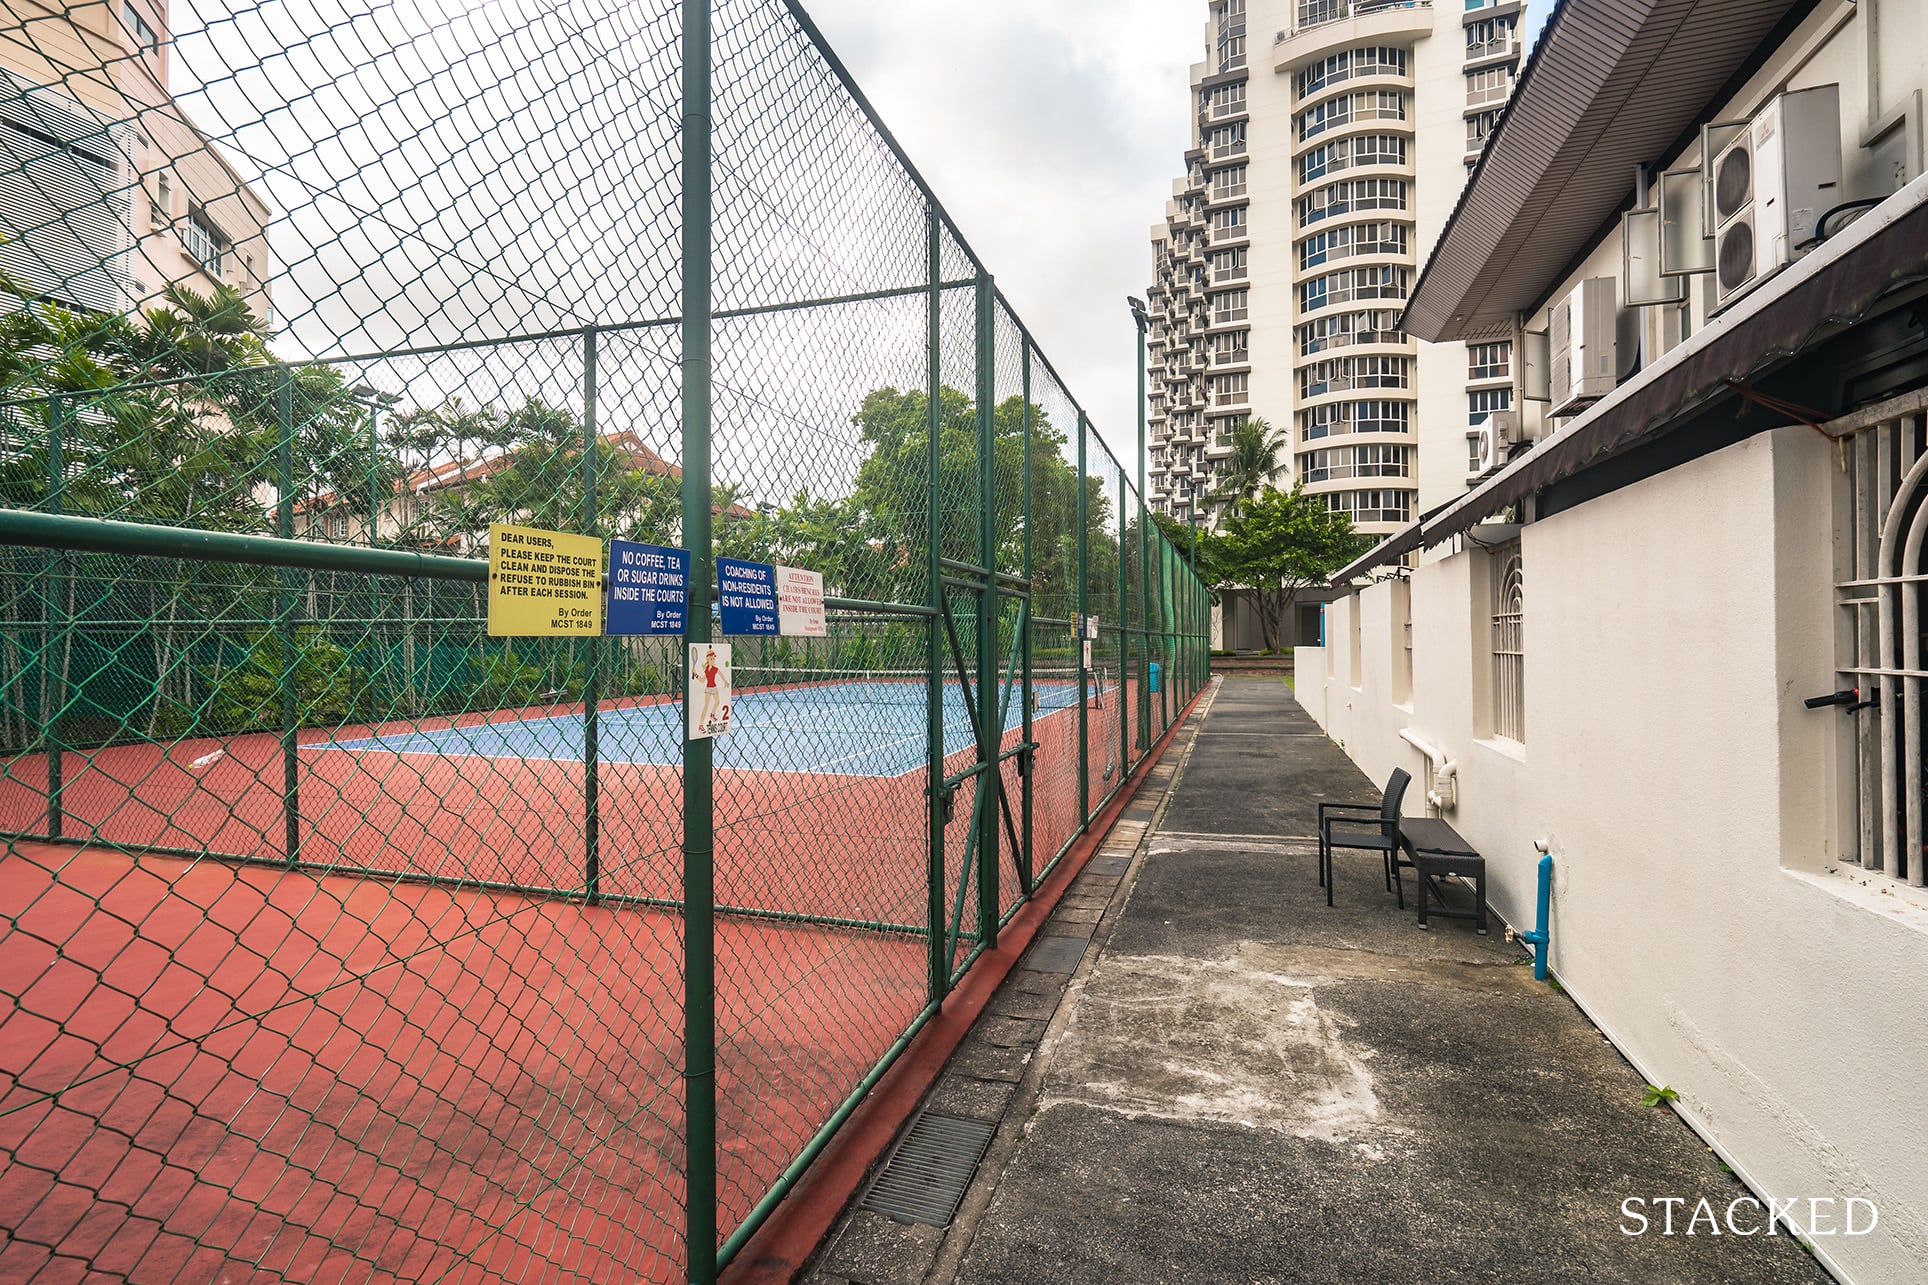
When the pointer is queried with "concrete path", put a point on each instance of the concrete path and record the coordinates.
(1239, 1084)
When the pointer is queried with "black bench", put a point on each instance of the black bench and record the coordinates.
(1433, 849)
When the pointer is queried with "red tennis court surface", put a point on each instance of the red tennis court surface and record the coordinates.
(216, 1070)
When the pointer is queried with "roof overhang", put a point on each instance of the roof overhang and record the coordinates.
(1752, 356)
(1612, 84)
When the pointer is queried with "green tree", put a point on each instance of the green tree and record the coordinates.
(1253, 464)
(1278, 544)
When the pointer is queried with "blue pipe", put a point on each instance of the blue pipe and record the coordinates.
(1538, 937)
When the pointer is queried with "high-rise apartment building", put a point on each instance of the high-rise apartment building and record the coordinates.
(1331, 140)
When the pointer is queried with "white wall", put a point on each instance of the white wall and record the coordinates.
(1671, 630)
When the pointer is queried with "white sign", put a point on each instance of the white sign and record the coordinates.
(1087, 653)
(1091, 626)
(800, 603)
(710, 696)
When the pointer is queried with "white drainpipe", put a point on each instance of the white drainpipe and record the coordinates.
(1444, 793)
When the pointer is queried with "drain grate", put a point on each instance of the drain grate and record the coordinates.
(926, 1178)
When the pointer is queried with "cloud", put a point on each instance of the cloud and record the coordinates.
(1052, 134)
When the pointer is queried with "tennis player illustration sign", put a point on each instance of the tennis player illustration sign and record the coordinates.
(543, 583)
(800, 603)
(649, 588)
(710, 696)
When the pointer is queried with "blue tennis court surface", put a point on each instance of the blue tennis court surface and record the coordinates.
(846, 729)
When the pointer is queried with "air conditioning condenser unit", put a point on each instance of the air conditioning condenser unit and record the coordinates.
(1581, 329)
(1771, 184)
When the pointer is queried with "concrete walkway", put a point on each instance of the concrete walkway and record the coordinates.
(1239, 1084)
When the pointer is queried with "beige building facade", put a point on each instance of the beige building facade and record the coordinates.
(108, 192)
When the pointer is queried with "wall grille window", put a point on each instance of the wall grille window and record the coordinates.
(1489, 361)
(1228, 222)
(1486, 401)
(1232, 348)
(1228, 265)
(1352, 241)
(1879, 565)
(1509, 649)
(1368, 104)
(1228, 181)
(204, 241)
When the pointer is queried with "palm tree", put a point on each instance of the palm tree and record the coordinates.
(1253, 463)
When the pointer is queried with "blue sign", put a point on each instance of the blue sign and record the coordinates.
(649, 588)
(746, 596)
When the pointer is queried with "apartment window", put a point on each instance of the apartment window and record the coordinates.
(1228, 390)
(1350, 64)
(1489, 37)
(144, 37)
(1489, 361)
(1489, 86)
(204, 241)
(1357, 194)
(1314, 12)
(1346, 242)
(1233, 348)
(1337, 419)
(1479, 126)
(1231, 34)
(1340, 374)
(1228, 265)
(1372, 506)
(1486, 401)
(1225, 100)
(1349, 284)
(1229, 305)
(1371, 104)
(1509, 646)
(1345, 153)
(1228, 140)
(1228, 181)
(1369, 326)
(1228, 222)
(1335, 463)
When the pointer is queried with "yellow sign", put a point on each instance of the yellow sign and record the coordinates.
(543, 583)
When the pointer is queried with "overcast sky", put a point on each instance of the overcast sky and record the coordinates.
(1052, 133)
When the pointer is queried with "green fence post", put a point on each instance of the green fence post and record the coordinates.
(285, 527)
(1084, 673)
(592, 673)
(53, 676)
(1029, 759)
(699, 835)
(1124, 640)
(940, 964)
(989, 736)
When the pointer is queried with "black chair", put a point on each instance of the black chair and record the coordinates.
(1346, 825)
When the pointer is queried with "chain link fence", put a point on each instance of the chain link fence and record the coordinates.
(342, 940)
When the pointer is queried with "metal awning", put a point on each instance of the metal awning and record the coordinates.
(1843, 282)
(1611, 84)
